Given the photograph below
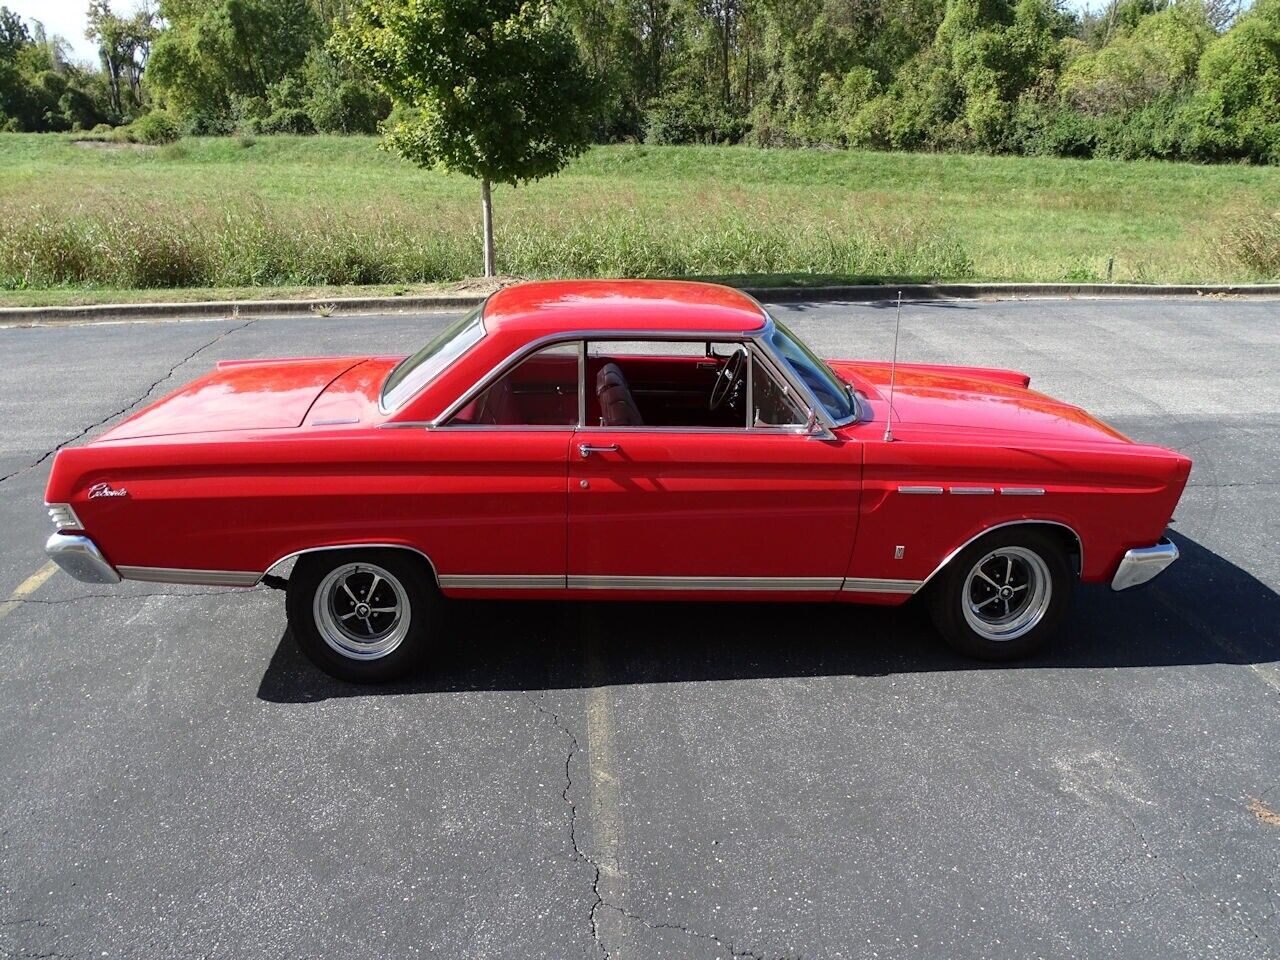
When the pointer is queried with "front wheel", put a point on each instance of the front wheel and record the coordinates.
(364, 616)
(1004, 596)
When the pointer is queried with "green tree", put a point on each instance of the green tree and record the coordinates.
(216, 50)
(494, 89)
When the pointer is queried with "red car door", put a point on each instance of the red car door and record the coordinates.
(756, 511)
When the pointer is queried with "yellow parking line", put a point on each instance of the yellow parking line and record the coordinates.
(27, 587)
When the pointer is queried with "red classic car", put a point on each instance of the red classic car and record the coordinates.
(615, 440)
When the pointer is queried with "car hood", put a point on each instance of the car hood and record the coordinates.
(239, 395)
(973, 399)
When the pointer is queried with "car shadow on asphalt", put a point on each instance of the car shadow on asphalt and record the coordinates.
(1203, 610)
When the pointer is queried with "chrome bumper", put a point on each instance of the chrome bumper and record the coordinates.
(80, 557)
(1143, 563)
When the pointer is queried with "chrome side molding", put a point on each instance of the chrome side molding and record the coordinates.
(203, 578)
(1144, 563)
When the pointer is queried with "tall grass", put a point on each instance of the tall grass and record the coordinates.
(246, 245)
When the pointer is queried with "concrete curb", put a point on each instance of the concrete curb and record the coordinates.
(108, 312)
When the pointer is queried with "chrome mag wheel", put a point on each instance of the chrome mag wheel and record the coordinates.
(1007, 593)
(361, 611)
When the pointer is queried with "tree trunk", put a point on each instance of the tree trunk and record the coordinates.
(486, 204)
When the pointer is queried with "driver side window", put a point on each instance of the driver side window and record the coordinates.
(666, 383)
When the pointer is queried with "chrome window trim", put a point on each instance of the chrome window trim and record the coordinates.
(500, 369)
(999, 526)
(583, 337)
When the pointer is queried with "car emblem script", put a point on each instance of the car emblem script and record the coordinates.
(106, 490)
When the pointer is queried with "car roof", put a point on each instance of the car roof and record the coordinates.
(620, 306)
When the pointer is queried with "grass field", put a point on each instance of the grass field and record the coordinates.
(333, 212)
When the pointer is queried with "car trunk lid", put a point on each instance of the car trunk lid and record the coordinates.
(238, 395)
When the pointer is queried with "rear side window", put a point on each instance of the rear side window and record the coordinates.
(540, 391)
(415, 372)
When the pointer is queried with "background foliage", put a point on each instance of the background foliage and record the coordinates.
(1187, 80)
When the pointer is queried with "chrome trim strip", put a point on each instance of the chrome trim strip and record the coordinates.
(352, 546)
(972, 491)
(501, 581)
(337, 421)
(80, 557)
(1022, 491)
(788, 584)
(1142, 564)
(207, 578)
(871, 585)
(925, 490)
(1008, 523)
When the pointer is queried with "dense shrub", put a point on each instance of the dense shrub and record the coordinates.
(689, 118)
(155, 128)
(287, 120)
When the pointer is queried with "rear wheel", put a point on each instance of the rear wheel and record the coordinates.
(1004, 596)
(365, 616)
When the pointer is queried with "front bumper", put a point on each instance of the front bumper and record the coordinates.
(80, 557)
(1143, 563)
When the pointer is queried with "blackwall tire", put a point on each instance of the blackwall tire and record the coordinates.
(1004, 596)
(364, 616)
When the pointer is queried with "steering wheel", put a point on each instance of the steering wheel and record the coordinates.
(730, 376)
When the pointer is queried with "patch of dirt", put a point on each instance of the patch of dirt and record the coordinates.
(486, 284)
(1264, 813)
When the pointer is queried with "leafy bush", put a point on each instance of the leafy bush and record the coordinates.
(155, 128)
(688, 118)
(287, 120)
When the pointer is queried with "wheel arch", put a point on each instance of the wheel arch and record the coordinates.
(435, 576)
(1067, 536)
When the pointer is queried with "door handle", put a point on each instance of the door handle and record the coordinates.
(585, 449)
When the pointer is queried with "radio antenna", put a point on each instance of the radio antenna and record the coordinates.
(893, 371)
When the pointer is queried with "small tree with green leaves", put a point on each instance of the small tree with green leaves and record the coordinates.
(494, 89)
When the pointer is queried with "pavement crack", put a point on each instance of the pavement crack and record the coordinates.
(125, 409)
(579, 855)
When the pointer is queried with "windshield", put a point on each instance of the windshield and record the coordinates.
(415, 372)
(817, 376)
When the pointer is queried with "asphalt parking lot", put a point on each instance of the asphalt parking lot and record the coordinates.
(677, 781)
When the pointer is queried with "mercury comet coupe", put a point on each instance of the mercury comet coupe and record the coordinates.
(615, 440)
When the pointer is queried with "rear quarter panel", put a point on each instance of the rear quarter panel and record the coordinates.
(472, 501)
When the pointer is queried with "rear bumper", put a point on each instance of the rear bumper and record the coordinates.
(1143, 563)
(80, 557)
